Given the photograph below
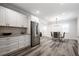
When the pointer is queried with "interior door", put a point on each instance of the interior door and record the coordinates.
(35, 37)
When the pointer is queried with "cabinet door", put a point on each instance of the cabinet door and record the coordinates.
(19, 20)
(21, 41)
(2, 16)
(8, 45)
(22, 20)
(11, 17)
(4, 46)
(25, 21)
(27, 40)
(13, 44)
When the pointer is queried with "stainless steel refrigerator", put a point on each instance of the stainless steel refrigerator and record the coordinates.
(35, 34)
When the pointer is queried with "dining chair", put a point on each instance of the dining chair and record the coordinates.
(62, 37)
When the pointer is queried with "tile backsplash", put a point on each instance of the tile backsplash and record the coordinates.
(12, 31)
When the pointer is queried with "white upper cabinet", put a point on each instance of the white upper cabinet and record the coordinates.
(19, 20)
(25, 21)
(2, 16)
(10, 17)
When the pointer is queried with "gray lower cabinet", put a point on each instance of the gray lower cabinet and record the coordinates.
(10, 44)
(4, 46)
(24, 41)
(13, 43)
(27, 40)
(21, 41)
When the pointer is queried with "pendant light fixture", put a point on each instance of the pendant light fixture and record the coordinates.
(57, 25)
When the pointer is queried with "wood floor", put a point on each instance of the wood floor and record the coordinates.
(50, 47)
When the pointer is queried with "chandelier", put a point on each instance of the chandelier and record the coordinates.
(56, 24)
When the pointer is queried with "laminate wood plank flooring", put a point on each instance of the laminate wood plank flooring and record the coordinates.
(50, 47)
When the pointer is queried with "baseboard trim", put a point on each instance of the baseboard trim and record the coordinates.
(15, 52)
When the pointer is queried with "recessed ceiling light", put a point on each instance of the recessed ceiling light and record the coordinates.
(37, 11)
(61, 3)
(63, 13)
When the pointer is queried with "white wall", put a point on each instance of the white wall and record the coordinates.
(78, 26)
(44, 28)
(73, 29)
(34, 18)
(78, 29)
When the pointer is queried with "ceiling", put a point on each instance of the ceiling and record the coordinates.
(50, 11)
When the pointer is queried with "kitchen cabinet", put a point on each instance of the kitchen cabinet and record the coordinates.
(21, 20)
(27, 40)
(2, 16)
(24, 41)
(13, 43)
(13, 18)
(4, 46)
(9, 44)
(21, 42)
(25, 21)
